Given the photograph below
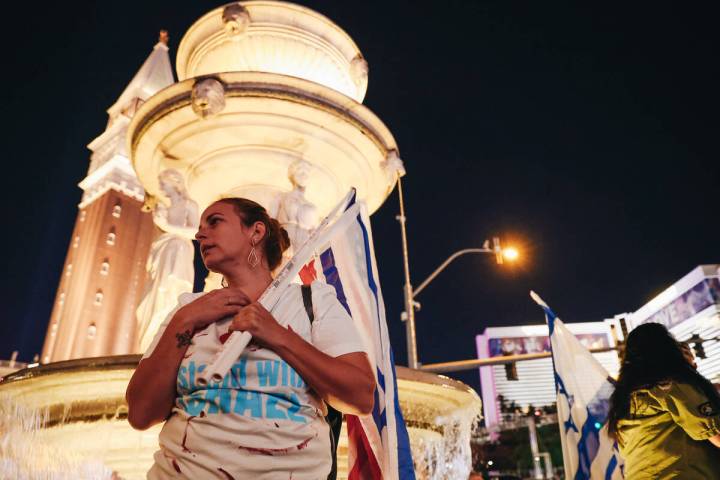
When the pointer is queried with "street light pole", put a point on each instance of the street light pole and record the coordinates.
(409, 294)
(408, 316)
(447, 262)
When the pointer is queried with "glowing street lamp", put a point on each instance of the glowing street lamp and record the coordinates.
(509, 254)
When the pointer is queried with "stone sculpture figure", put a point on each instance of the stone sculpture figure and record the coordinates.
(208, 97)
(169, 266)
(296, 214)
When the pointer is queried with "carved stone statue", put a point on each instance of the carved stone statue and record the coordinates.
(295, 213)
(393, 167)
(208, 97)
(359, 71)
(169, 266)
(236, 19)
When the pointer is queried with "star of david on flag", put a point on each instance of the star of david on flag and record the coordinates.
(583, 389)
(379, 446)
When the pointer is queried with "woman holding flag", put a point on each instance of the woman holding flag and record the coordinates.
(265, 419)
(663, 413)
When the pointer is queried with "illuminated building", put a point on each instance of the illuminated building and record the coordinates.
(690, 306)
(535, 384)
(104, 271)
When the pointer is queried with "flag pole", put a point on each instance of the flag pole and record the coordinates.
(408, 316)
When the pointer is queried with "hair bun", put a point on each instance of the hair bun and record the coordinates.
(282, 235)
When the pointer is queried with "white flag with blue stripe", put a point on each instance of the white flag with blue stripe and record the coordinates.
(378, 444)
(583, 389)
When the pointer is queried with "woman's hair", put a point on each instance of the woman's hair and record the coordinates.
(276, 239)
(651, 356)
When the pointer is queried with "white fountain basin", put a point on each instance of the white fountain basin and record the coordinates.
(268, 121)
(65, 417)
(279, 37)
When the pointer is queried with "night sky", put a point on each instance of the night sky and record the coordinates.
(582, 134)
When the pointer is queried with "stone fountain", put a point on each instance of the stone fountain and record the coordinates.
(268, 107)
(67, 417)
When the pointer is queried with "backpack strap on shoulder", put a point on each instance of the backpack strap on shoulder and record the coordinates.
(334, 418)
(307, 301)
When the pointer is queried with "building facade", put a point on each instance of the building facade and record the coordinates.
(104, 271)
(535, 384)
(690, 306)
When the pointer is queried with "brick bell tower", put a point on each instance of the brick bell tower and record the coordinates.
(104, 271)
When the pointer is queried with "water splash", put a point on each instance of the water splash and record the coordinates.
(440, 442)
(25, 455)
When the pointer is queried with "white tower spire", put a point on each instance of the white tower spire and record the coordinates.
(154, 75)
(109, 164)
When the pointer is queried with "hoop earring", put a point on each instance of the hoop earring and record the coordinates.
(253, 259)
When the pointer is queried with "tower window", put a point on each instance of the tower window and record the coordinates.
(98, 298)
(91, 331)
(53, 328)
(110, 240)
(76, 241)
(82, 215)
(68, 270)
(61, 300)
(117, 210)
(105, 267)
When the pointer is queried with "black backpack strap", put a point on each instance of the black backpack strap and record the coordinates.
(307, 301)
(333, 418)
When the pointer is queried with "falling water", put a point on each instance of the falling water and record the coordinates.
(440, 442)
(26, 455)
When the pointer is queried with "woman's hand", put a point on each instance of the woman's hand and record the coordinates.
(256, 320)
(216, 305)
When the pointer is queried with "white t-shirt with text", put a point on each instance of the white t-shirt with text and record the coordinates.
(262, 421)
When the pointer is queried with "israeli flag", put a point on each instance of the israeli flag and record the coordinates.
(583, 389)
(378, 444)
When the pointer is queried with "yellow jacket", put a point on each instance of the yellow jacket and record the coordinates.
(666, 434)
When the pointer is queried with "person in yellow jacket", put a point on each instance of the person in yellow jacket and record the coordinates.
(664, 415)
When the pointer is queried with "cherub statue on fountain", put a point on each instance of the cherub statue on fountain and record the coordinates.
(169, 266)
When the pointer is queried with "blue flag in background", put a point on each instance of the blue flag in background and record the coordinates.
(583, 389)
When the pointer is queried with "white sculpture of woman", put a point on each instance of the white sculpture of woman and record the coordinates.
(295, 213)
(169, 266)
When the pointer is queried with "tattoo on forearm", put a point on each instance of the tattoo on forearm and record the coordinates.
(184, 339)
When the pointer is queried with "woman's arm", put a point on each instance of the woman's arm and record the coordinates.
(151, 392)
(346, 382)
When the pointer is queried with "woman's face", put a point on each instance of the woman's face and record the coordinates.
(224, 240)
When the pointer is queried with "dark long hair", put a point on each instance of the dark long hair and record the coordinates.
(651, 356)
(276, 239)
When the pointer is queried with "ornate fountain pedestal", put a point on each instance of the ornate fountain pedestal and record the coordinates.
(264, 84)
(66, 417)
